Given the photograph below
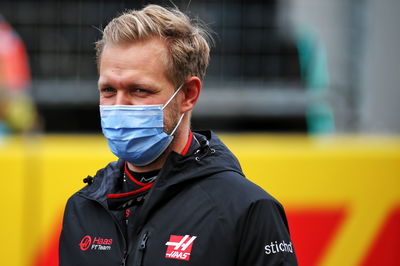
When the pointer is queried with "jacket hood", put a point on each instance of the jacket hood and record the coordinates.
(207, 156)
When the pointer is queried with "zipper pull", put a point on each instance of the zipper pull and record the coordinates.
(143, 242)
(123, 263)
(141, 249)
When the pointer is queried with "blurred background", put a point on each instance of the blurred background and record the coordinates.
(277, 66)
(306, 88)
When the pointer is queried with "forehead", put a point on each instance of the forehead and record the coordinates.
(139, 58)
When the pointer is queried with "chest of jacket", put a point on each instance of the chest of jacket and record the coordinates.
(187, 229)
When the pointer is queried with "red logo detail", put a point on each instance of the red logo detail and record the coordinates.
(179, 247)
(95, 243)
(85, 243)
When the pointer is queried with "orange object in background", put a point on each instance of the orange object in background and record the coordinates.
(18, 113)
(14, 67)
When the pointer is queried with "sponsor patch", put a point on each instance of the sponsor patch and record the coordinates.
(95, 243)
(276, 247)
(179, 247)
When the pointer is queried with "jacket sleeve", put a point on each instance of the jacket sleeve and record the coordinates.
(66, 257)
(265, 238)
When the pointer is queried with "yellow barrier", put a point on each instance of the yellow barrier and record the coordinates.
(359, 174)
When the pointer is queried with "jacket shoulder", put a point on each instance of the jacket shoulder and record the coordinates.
(234, 186)
(258, 218)
(234, 197)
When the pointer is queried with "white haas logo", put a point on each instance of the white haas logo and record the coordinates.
(179, 247)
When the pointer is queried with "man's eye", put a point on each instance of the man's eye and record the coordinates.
(138, 91)
(107, 91)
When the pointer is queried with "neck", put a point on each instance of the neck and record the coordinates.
(177, 145)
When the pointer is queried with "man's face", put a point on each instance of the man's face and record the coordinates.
(135, 74)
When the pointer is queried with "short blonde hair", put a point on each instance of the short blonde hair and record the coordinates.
(188, 41)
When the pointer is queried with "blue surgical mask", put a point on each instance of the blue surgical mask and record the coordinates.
(135, 133)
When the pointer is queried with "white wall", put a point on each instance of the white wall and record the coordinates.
(362, 40)
(380, 106)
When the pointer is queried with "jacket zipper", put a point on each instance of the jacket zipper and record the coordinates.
(125, 256)
(142, 248)
(123, 263)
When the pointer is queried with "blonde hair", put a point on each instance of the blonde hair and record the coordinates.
(187, 41)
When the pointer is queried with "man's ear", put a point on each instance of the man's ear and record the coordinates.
(191, 92)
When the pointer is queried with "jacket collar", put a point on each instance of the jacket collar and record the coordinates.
(207, 155)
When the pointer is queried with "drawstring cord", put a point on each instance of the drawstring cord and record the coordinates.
(204, 150)
(89, 180)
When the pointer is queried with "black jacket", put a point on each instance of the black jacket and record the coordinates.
(201, 211)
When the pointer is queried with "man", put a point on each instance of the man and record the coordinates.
(174, 197)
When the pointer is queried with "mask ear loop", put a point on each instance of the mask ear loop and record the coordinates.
(177, 124)
(165, 105)
(173, 95)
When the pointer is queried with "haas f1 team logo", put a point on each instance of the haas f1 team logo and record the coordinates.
(85, 243)
(179, 247)
(95, 243)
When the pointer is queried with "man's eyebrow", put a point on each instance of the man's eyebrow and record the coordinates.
(141, 85)
(103, 83)
(130, 85)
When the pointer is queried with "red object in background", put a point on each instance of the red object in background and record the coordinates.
(47, 254)
(312, 230)
(384, 249)
(14, 67)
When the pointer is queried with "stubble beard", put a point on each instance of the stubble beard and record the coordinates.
(171, 119)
